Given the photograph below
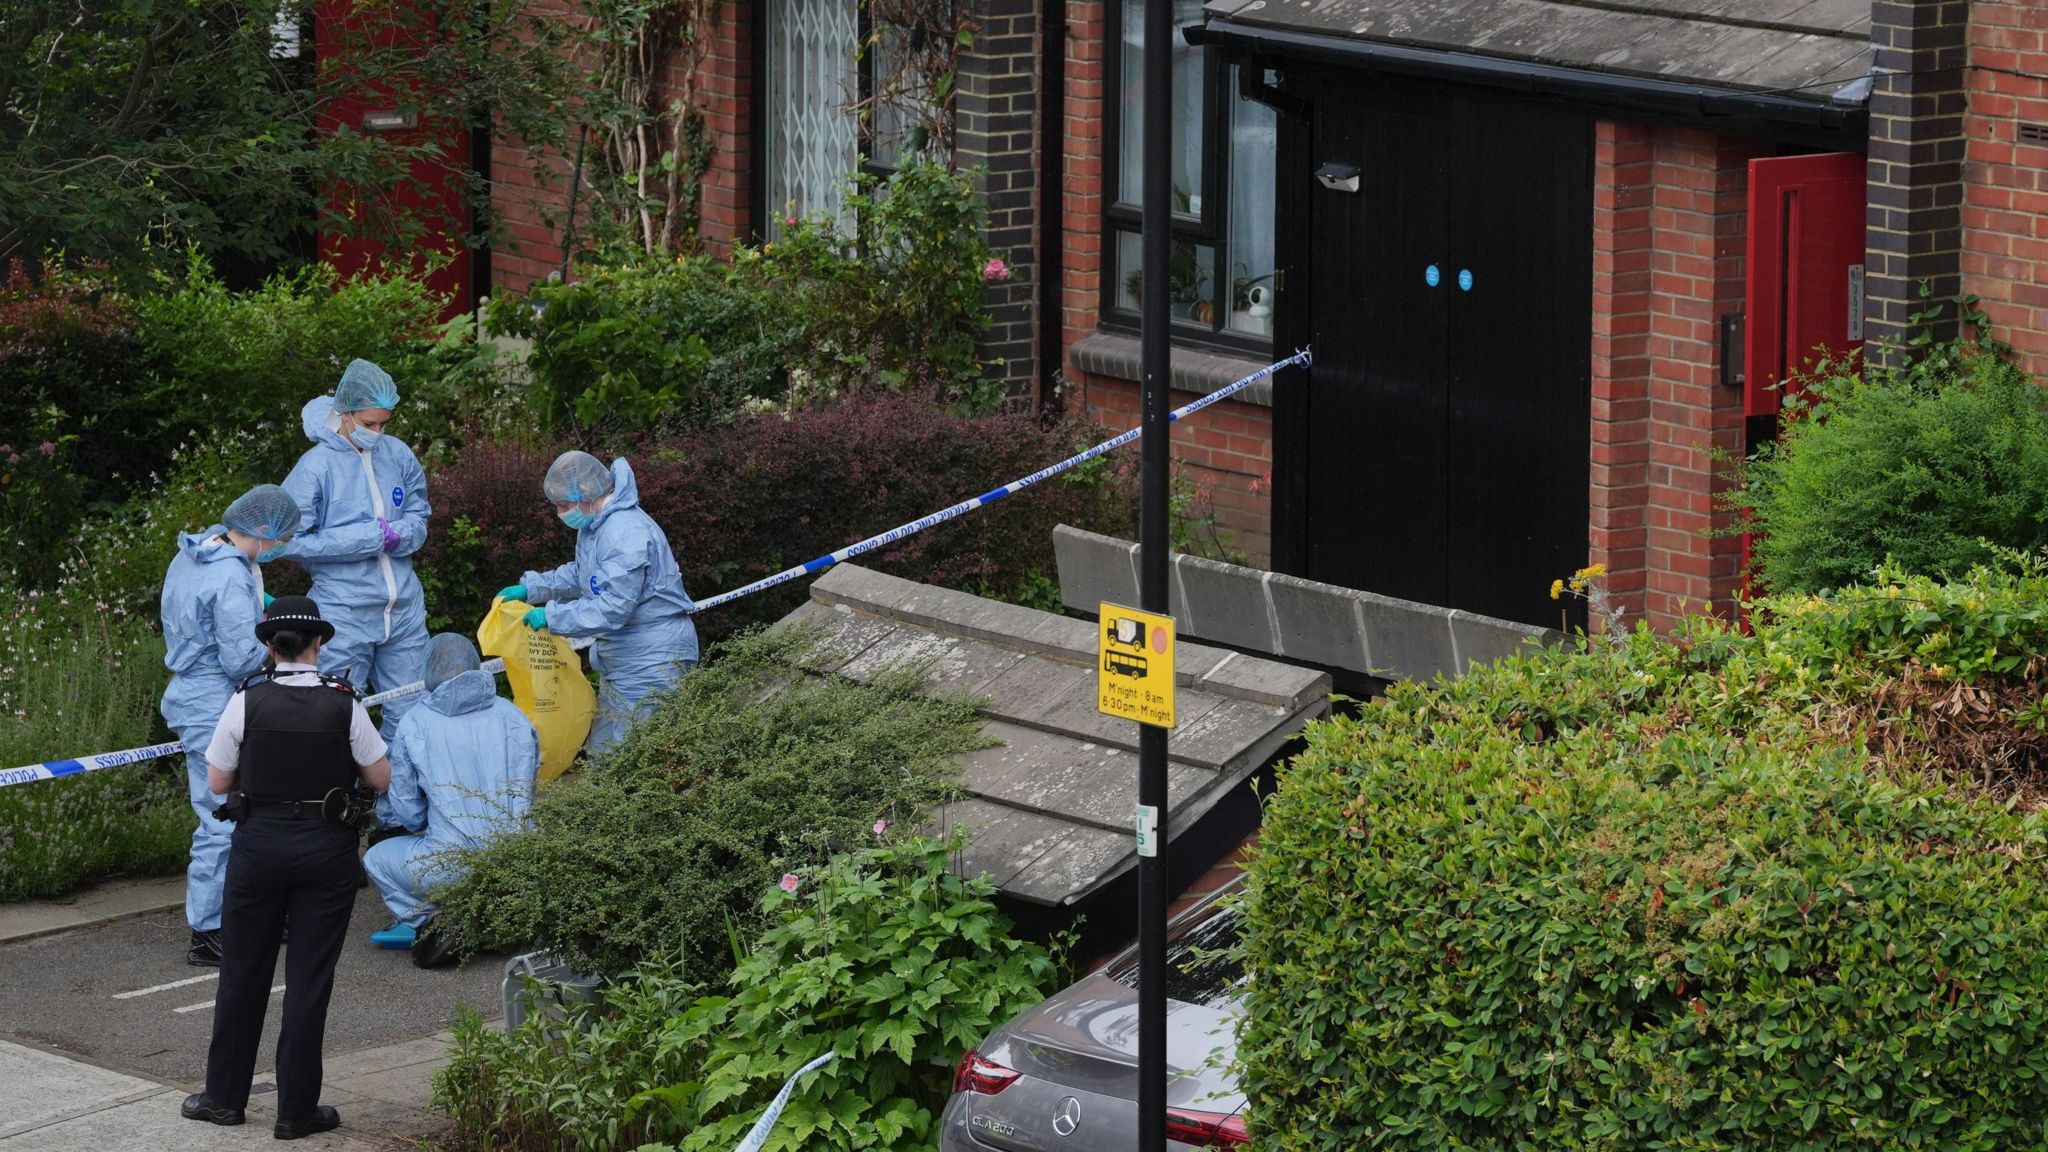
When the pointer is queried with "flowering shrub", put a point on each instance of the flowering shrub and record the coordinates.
(852, 960)
(882, 956)
(893, 303)
(70, 364)
(768, 492)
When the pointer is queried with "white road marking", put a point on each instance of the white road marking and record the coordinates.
(166, 987)
(209, 1003)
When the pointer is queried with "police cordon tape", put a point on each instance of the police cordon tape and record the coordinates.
(758, 1134)
(52, 769)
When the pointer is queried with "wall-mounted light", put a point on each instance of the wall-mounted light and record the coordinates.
(1338, 177)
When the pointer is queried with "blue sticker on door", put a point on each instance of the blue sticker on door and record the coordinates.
(1464, 279)
(1430, 276)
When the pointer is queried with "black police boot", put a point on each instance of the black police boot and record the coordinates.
(200, 1107)
(323, 1119)
(204, 951)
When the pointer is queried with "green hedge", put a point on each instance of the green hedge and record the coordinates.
(1646, 897)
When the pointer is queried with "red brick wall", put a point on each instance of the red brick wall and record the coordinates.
(2005, 199)
(532, 210)
(1226, 451)
(1228, 448)
(1668, 231)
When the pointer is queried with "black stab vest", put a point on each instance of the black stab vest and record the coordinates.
(295, 741)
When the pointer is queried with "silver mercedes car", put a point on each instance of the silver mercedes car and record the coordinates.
(1063, 1077)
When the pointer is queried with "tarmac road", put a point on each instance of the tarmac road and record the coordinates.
(121, 996)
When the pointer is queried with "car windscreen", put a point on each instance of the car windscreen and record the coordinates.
(1200, 968)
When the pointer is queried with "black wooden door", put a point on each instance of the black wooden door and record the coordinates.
(1448, 410)
(1379, 342)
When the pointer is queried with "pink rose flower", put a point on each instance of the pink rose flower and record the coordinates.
(789, 221)
(47, 448)
(995, 271)
(789, 881)
(881, 826)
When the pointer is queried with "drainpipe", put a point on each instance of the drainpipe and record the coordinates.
(1052, 216)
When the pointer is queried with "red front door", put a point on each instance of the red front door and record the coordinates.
(432, 194)
(1803, 298)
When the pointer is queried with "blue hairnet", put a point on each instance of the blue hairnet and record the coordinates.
(577, 476)
(266, 512)
(449, 654)
(364, 385)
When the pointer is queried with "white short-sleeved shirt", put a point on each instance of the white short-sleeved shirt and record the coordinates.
(225, 752)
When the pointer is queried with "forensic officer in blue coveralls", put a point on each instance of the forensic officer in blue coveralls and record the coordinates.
(623, 588)
(212, 598)
(365, 500)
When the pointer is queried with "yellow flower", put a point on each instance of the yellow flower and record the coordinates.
(1556, 589)
(1592, 572)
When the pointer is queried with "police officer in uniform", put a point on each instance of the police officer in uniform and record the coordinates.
(289, 755)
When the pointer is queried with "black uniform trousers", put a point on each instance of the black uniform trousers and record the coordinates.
(306, 869)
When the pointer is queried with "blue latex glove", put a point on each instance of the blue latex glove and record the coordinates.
(391, 540)
(268, 599)
(537, 619)
(512, 592)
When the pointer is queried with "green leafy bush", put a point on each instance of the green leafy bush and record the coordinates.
(565, 1084)
(1929, 469)
(1662, 894)
(667, 841)
(643, 343)
(890, 304)
(881, 956)
(224, 359)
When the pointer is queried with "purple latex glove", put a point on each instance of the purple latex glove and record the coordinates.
(390, 534)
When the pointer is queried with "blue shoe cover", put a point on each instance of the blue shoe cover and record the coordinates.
(397, 937)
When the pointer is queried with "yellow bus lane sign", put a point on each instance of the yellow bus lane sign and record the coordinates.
(1134, 677)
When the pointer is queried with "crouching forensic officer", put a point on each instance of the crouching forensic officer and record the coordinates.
(289, 754)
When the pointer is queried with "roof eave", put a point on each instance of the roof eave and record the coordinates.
(1842, 124)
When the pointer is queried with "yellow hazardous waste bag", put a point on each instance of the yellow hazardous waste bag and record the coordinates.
(547, 683)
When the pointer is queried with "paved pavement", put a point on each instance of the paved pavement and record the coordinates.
(109, 1027)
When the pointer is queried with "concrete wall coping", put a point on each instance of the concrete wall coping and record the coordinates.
(1292, 618)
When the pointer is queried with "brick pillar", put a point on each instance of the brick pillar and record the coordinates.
(1915, 165)
(725, 80)
(1623, 175)
(1669, 220)
(2005, 176)
(995, 129)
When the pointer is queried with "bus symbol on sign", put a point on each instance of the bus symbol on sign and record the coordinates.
(1135, 677)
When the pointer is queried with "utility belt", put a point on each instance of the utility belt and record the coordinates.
(347, 807)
